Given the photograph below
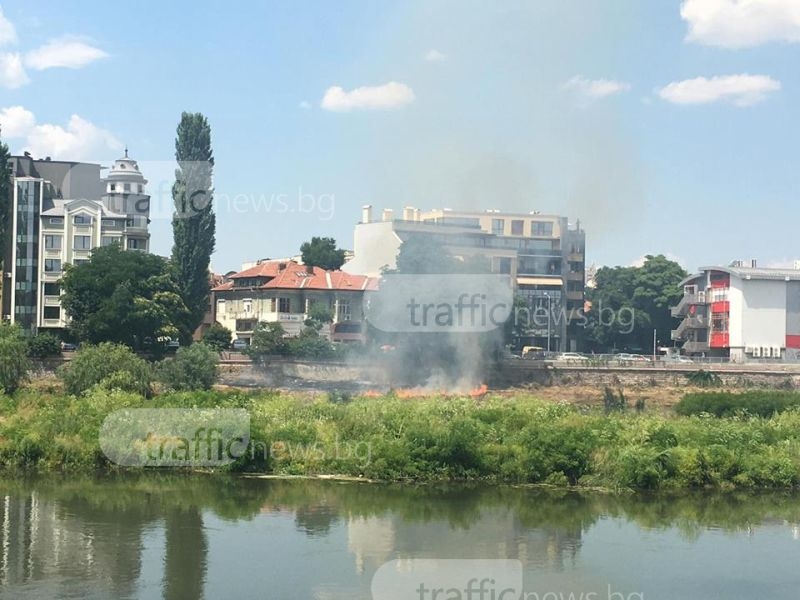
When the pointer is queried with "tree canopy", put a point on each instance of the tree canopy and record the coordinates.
(124, 297)
(628, 303)
(194, 223)
(5, 196)
(322, 252)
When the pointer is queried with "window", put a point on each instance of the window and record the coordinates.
(345, 313)
(113, 187)
(52, 265)
(221, 307)
(82, 242)
(52, 242)
(284, 305)
(498, 226)
(542, 228)
(504, 265)
(52, 312)
(56, 221)
(136, 244)
(141, 189)
(109, 223)
(82, 220)
(127, 187)
(517, 227)
(247, 305)
(107, 240)
(52, 289)
(80, 261)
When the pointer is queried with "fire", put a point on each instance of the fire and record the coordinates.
(421, 392)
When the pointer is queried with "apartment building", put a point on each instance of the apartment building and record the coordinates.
(740, 312)
(544, 255)
(60, 211)
(283, 291)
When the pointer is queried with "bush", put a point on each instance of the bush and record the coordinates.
(114, 365)
(193, 368)
(704, 379)
(14, 362)
(44, 345)
(726, 404)
(218, 337)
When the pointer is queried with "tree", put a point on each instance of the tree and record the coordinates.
(217, 337)
(318, 314)
(14, 362)
(192, 368)
(194, 223)
(628, 303)
(44, 345)
(124, 297)
(268, 338)
(5, 204)
(322, 252)
(113, 366)
(424, 255)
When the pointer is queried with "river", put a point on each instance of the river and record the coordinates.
(165, 535)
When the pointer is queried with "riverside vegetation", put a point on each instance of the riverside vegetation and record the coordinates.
(510, 439)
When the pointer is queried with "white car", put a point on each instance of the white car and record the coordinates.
(572, 356)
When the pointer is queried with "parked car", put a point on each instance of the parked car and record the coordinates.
(68, 347)
(677, 358)
(572, 357)
(239, 344)
(627, 357)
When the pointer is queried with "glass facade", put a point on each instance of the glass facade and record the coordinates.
(26, 278)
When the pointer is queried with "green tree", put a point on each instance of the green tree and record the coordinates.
(268, 338)
(112, 365)
(318, 314)
(217, 337)
(322, 252)
(194, 223)
(192, 368)
(14, 362)
(628, 303)
(5, 196)
(124, 297)
(43, 345)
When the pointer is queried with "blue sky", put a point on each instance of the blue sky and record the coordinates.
(666, 127)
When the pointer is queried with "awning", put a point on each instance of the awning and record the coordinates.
(551, 281)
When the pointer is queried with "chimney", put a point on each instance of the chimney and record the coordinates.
(753, 263)
(387, 215)
(281, 266)
(408, 213)
(366, 213)
(310, 269)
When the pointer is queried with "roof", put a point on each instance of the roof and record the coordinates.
(282, 274)
(59, 204)
(758, 273)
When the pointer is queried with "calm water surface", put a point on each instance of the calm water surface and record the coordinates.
(169, 536)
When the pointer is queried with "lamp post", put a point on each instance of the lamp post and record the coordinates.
(654, 345)
(549, 315)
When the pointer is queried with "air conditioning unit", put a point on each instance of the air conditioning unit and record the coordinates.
(776, 352)
(757, 352)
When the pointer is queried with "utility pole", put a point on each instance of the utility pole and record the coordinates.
(654, 345)
(549, 317)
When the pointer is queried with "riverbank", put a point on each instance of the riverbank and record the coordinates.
(511, 439)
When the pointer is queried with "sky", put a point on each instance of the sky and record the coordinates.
(665, 127)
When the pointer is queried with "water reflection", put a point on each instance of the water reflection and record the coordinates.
(99, 538)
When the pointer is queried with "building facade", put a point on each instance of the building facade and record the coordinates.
(283, 291)
(741, 313)
(60, 211)
(544, 255)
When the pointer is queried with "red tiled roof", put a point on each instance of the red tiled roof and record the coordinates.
(296, 276)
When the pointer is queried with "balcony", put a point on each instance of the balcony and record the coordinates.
(575, 295)
(575, 257)
(52, 300)
(695, 347)
(690, 322)
(575, 276)
(688, 299)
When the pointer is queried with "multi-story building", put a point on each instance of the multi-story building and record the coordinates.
(283, 291)
(60, 211)
(544, 255)
(740, 312)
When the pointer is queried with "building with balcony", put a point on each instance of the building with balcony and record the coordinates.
(283, 291)
(740, 312)
(544, 255)
(60, 211)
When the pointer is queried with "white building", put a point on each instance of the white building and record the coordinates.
(740, 312)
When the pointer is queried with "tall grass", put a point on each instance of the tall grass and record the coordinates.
(514, 440)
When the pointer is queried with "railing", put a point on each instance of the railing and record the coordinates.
(692, 346)
(686, 301)
(690, 322)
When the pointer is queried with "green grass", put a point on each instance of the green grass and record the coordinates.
(511, 440)
(726, 404)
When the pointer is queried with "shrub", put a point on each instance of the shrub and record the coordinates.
(268, 338)
(614, 401)
(725, 404)
(193, 368)
(115, 364)
(44, 345)
(217, 337)
(14, 362)
(704, 379)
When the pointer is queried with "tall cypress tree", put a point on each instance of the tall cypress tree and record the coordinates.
(5, 208)
(194, 223)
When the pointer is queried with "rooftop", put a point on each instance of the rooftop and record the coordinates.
(282, 274)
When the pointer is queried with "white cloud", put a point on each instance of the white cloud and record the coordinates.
(741, 23)
(79, 140)
(16, 121)
(593, 89)
(8, 34)
(741, 90)
(68, 53)
(380, 97)
(435, 56)
(305, 105)
(12, 73)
